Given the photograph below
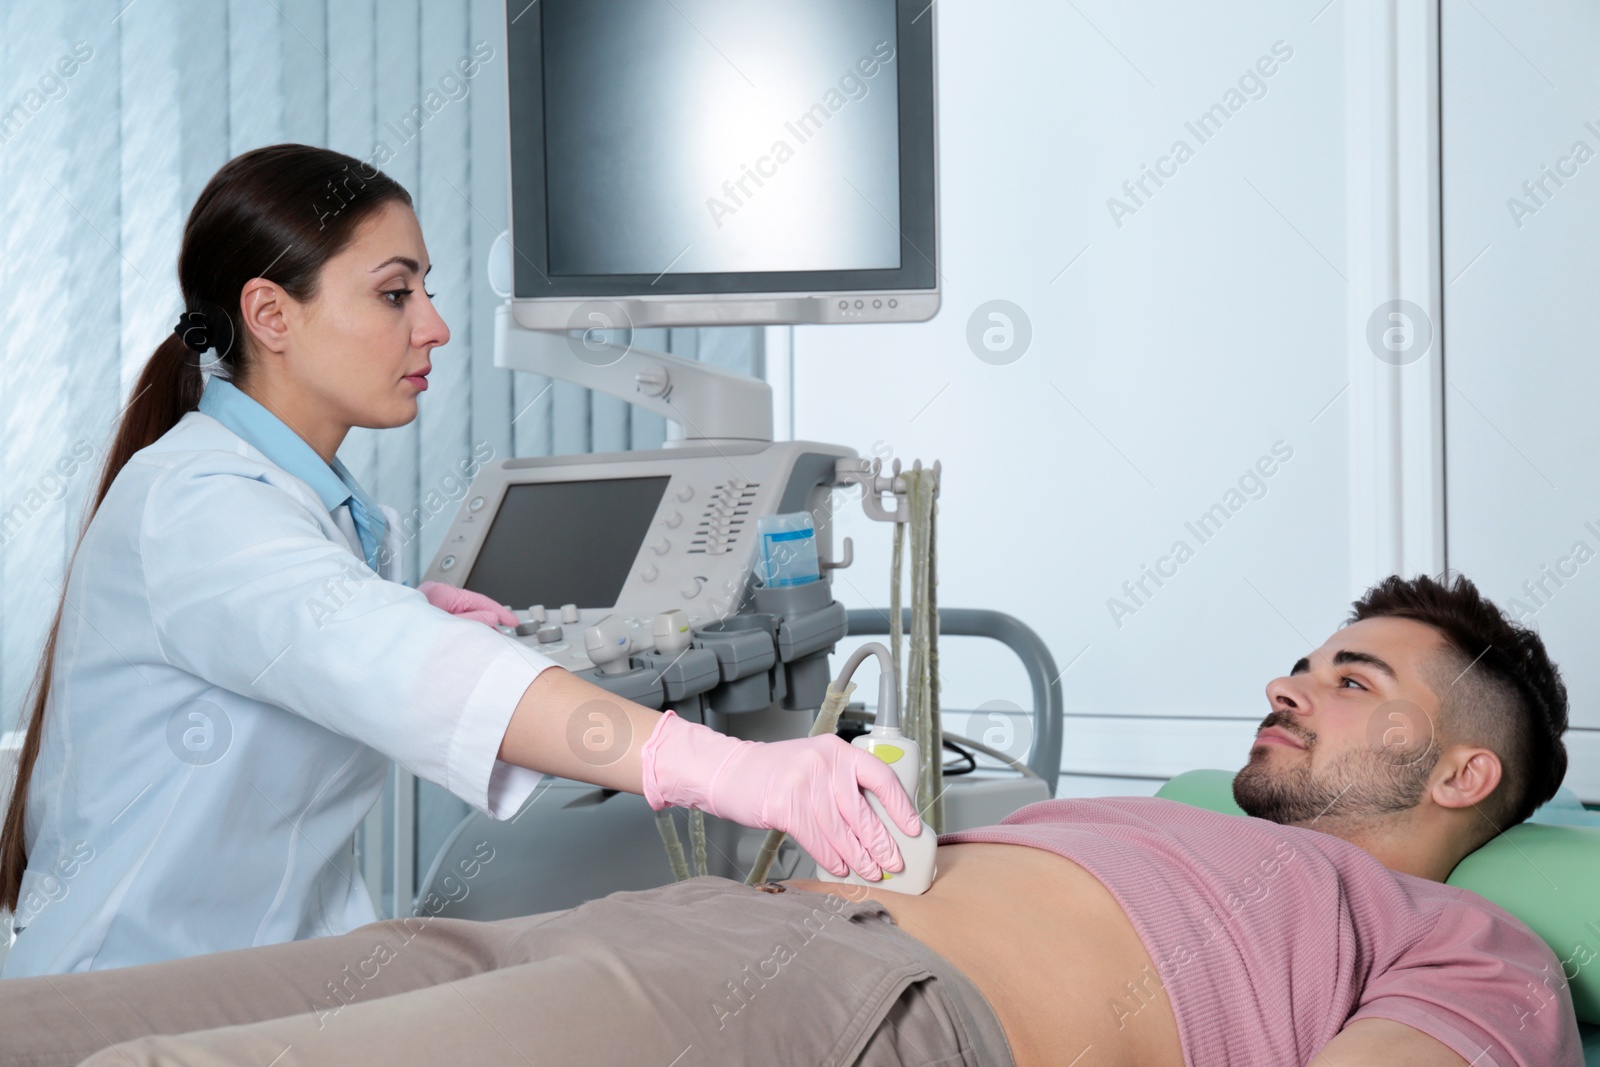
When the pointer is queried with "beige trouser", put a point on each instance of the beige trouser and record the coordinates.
(706, 971)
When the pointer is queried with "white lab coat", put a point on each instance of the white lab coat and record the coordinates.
(231, 682)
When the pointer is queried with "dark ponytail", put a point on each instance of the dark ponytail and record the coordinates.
(280, 213)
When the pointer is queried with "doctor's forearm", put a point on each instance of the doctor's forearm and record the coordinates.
(568, 727)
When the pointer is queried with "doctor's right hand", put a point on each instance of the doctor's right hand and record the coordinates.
(810, 787)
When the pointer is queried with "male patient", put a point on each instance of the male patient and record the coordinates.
(1121, 931)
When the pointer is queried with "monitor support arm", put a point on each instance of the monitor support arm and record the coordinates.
(702, 403)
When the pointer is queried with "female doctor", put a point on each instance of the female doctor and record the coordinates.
(234, 661)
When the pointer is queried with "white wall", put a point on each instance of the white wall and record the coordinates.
(1226, 314)
(1169, 353)
(1520, 85)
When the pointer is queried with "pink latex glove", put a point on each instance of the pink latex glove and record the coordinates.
(466, 603)
(810, 787)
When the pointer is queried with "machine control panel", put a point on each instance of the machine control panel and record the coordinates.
(616, 541)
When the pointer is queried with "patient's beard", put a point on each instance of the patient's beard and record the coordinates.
(1358, 786)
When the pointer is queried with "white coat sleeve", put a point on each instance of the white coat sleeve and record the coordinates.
(510, 785)
(247, 593)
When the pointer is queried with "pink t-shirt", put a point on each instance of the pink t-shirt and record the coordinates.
(1269, 938)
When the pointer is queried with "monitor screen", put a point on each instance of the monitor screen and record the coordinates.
(555, 543)
(721, 146)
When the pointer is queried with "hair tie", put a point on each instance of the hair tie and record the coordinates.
(192, 331)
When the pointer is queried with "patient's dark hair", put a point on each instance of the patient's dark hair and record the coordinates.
(280, 213)
(1496, 686)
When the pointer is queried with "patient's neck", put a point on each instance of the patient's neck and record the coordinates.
(1400, 842)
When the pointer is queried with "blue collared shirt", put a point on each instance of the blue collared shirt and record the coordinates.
(333, 484)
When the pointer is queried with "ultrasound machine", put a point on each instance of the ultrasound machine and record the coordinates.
(786, 176)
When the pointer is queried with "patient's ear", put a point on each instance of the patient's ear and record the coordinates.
(1465, 777)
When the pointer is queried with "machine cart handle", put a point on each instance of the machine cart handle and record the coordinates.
(1044, 758)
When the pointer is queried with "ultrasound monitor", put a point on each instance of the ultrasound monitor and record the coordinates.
(566, 542)
(693, 162)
